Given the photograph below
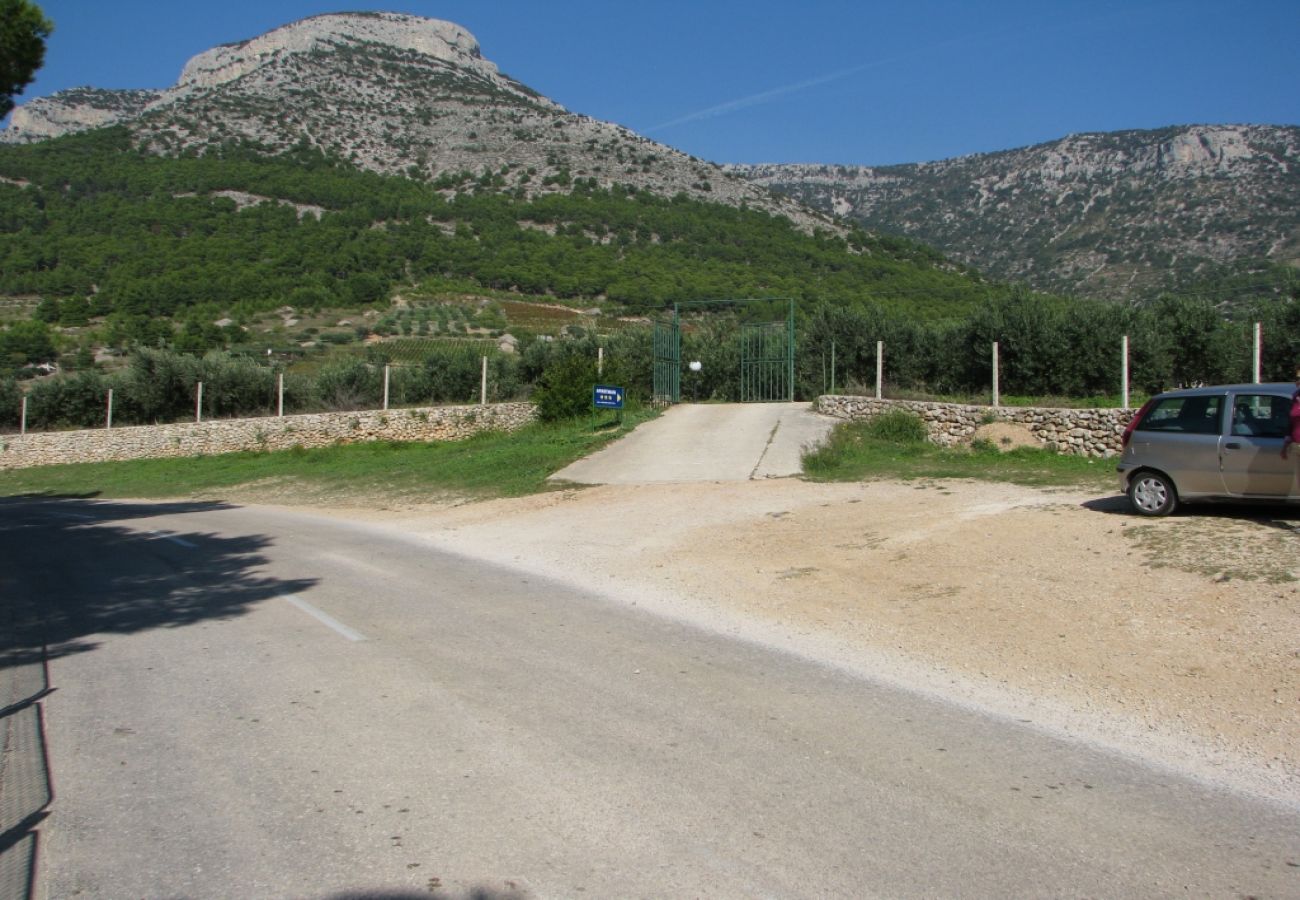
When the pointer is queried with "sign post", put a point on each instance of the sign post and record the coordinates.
(605, 396)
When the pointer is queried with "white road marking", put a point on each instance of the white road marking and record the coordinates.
(323, 617)
(174, 539)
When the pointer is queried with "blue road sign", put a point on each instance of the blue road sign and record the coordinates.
(606, 397)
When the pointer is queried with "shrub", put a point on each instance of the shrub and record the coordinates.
(898, 427)
(236, 387)
(564, 391)
(451, 374)
(349, 384)
(159, 387)
(78, 401)
(11, 402)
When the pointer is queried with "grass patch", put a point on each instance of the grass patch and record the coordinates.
(854, 453)
(493, 464)
(1219, 546)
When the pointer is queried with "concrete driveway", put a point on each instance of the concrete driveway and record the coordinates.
(708, 442)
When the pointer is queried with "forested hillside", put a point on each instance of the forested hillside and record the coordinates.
(112, 231)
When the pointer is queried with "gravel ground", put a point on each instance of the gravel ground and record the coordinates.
(1175, 640)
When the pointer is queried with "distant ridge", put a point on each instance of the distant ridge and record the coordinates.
(1113, 214)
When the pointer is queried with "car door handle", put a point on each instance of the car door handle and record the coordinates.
(1232, 445)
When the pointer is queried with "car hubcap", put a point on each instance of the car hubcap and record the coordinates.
(1150, 494)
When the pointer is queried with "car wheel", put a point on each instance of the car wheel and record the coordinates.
(1152, 494)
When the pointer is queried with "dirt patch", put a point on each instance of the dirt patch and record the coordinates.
(1006, 436)
(1177, 640)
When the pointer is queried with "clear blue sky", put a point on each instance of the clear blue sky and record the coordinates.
(818, 81)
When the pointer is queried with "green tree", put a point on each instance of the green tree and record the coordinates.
(23, 30)
(27, 342)
(11, 399)
(1199, 345)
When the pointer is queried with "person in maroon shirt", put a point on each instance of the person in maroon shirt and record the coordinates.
(1293, 429)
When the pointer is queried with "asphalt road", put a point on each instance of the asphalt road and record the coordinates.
(255, 703)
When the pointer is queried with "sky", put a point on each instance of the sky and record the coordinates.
(817, 81)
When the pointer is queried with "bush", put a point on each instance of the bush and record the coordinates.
(77, 401)
(11, 402)
(897, 427)
(565, 389)
(349, 384)
(451, 373)
(159, 387)
(236, 387)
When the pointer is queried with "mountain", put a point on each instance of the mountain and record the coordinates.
(343, 160)
(1115, 215)
(392, 94)
(1119, 215)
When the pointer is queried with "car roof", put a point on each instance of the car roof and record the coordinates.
(1271, 387)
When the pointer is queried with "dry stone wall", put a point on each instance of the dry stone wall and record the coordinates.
(438, 423)
(1080, 432)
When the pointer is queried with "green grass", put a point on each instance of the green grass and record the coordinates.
(854, 453)
(489, 465)
(508, 465)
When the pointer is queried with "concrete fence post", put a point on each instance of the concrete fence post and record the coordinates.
(279, 404)
(1123, 369)
(996, 395)
(386, 382)
(482, 389)
(22, 427)
(880, 369)
(600, 361)
(1259, 353)
(108, 421)
(198, 402)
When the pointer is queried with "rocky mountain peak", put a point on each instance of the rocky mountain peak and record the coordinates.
(394, 94)
(443, 41)
(436, 42)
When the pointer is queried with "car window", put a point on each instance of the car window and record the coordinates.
(1189, 415)
(1260, 415)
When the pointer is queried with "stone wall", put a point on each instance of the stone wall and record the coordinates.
(1081, 432)
(438, 423)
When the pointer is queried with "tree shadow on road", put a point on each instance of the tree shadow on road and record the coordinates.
(70, 570)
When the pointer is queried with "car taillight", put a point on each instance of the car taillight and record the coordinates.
(1135, 422)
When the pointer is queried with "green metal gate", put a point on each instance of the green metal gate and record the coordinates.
(767, 362)
(668, 361)
(766, 356)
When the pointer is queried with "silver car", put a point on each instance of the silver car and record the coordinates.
(1210, 443)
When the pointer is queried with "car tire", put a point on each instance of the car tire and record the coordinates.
(1152, 494)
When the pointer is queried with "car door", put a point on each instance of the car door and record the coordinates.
(1181, 437)
(1250, 454)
